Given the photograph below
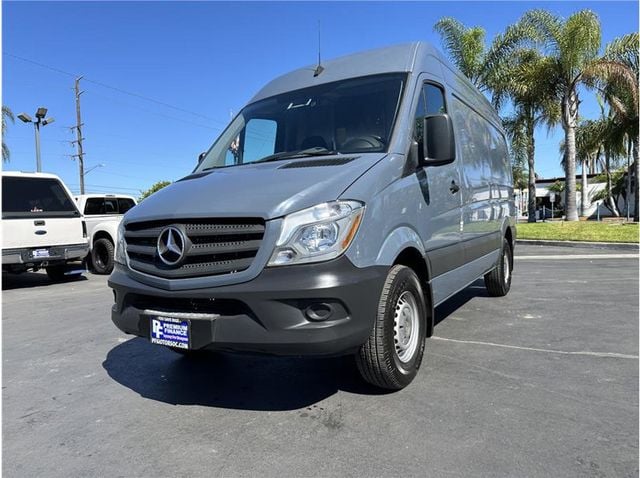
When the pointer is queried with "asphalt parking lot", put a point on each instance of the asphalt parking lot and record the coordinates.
(543, 382)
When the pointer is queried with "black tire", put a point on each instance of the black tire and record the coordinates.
(57, 273)
(102, 256)
(498, 281)
(379, 359)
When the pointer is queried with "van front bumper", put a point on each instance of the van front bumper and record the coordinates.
(315, 309)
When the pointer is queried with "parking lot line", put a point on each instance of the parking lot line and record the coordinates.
(534, 349)
(578, 256)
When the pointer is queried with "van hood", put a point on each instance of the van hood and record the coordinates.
(266, 190)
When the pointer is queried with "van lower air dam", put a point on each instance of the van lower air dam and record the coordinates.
(329, 218)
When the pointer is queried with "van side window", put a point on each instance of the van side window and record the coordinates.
(431, 103)
(435, 99)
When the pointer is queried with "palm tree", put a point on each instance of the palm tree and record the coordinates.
(466, 48)
(6, 114)
(572, 45)
(523, 78)
(588, 139)
(616, 76)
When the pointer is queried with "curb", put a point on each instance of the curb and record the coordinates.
(618, 246)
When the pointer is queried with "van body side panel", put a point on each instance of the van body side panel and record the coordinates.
(394, 206)
(481, 225)
(452, 282)
(485, 167)
(440, 228)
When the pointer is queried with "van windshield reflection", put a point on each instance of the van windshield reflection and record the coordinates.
(349, 116)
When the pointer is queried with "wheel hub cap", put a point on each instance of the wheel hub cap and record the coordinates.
(406, 326)
(506, 266)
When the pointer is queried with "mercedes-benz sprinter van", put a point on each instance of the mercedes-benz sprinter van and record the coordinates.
(331, 216)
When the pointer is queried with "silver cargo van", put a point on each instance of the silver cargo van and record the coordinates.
(337, 209)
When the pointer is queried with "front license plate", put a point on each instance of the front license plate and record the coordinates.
(170, 332)
(40, 253)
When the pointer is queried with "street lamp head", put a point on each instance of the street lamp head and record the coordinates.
(25, 117)
(48, 121)
(41, 113)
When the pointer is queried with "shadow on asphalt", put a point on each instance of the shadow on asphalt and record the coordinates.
(245, 382)
(444, 310)
(234, 381)
(30, 279)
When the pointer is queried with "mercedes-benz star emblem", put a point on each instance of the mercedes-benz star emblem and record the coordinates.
(171, 245)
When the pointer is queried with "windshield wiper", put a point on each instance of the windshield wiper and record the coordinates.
(302, 153)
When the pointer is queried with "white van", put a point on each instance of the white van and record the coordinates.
(102, 215)
(41, 226)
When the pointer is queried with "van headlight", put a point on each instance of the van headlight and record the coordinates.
(318, 233)
(121, 246)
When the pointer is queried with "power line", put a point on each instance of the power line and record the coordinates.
(104, 187)
(115, 88)
(162, 115)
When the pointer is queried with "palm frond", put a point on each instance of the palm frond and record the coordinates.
(580, 41)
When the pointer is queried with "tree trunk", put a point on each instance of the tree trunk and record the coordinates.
(532, 172)
(585, 186)
(569, 123)
(612, 206)
(636, 169)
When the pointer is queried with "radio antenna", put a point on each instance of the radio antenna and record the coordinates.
(319, 69)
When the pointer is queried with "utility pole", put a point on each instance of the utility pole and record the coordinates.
(79, 139)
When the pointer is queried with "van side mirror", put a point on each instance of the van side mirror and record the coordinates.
(201, 157)
(439, 146)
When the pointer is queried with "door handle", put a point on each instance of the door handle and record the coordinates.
(454, 188)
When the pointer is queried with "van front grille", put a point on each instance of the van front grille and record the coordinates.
(211, 246)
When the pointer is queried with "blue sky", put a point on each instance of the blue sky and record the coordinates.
(206, 59)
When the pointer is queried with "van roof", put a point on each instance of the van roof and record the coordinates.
(391, 59)
(406, 57)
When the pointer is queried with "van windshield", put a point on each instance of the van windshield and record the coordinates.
(35, 197)
(349, 116)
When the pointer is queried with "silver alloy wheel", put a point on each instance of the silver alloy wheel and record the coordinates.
(406, 327)
(506, 267)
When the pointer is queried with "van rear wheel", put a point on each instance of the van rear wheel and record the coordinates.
(392, 355)
(498, 281)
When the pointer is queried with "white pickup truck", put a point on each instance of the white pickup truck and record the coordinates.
(102, 214)
(41, 226)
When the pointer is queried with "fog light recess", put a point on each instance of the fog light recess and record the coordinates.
(319, 312)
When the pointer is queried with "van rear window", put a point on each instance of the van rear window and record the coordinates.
(35, 197)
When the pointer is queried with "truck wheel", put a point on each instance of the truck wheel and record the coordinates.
(102, 256)
(57, 273)
(392, 355)
(498, 281)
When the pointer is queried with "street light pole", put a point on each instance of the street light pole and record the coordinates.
(40, 115)
(101, 165)
(38, 160)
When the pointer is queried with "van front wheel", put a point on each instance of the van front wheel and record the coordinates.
(392, 355)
